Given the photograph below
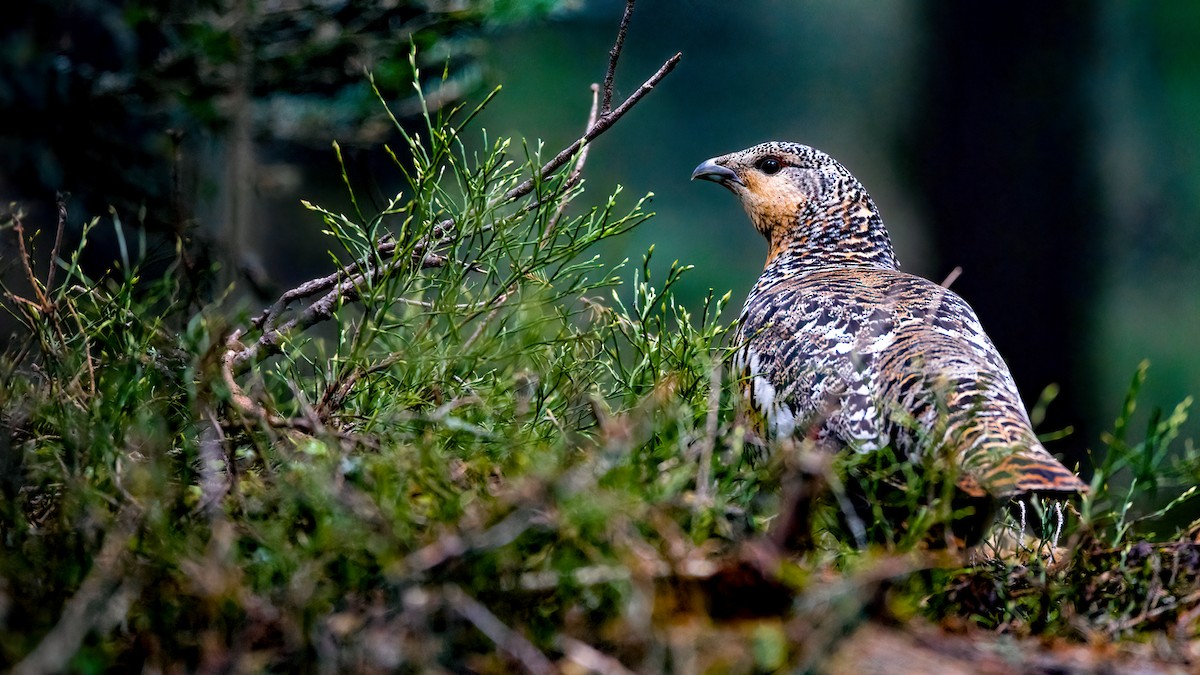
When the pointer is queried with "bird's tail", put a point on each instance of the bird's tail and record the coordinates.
(1007, 470)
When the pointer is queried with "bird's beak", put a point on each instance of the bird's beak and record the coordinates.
(710, 170)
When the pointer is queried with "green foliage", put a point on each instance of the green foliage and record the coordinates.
(483, 421)
(1133, 473)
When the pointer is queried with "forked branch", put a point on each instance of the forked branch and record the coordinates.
(613, 55)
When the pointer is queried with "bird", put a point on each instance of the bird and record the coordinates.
(836, 344)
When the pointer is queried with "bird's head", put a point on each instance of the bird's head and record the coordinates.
(804, 202)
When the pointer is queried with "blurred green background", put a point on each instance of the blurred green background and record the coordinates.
(1049, 149)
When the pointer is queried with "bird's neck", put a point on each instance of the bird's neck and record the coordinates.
(849, 233)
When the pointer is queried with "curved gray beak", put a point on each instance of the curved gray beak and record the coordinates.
(710, 170)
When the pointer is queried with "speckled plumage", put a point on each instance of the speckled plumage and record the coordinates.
(839, 345)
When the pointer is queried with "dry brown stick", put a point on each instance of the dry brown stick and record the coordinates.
(345, 290)
(253, 410)
(591, 659)
(335, 394)
(58, 237)
(47, 308)
(238, 357)
(43, 302)
(452, 545)
(240, 399)
(105, 590)
(250, 408)
(613, 55)
(384, 248)
(575, 172)
(507, 639)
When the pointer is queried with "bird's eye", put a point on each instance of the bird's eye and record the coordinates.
(769, 165)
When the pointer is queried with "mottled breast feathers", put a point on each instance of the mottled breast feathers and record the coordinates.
(837, 344)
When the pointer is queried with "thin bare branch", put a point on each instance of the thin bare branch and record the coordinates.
(601, 125)
(451, 545)
(342, 287)
(591, 659)
(575, 172)
(952, 277)
(101, 601)
(306, 424)
(46, 308)
(423, 255)
(507, 639)
(46, 305)
(338, 390)
(613, 55)
(214, 470)
(61, 200)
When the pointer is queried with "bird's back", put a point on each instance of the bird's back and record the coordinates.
(867, 357)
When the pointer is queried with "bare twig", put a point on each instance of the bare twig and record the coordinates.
(45, 307)
(613, 55)
(337, 391)
(952, 277)
(101, 601)
(338, 288)
(61, 199)
(591, 659)
(44, 304)
(507, 639)
(214, 469)
(606, 120)
(451, 545)
(575, 172)
(385, 249)
(237, 396)
(266, 320)
(251, 409)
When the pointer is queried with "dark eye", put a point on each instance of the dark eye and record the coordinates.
(769, 165)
